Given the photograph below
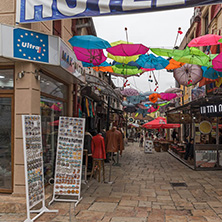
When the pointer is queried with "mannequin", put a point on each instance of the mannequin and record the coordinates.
(98, 147)
(114, 141)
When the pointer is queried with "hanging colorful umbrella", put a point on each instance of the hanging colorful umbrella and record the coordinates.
(217, 62)
(128, 49)
(173, 64)
(205, 81)
(89, 42)
(147, 93)
(168, 96)
(152, 62)
(135, 99)
(94, 56)
(129, 92)
(211, 73)
(147, 70)
(173, 90)
(103, 69)
(132, 63)
(126, 70)
(154, 97)
(205, 40)
(188, 74)
(104, 64)
(122, 59)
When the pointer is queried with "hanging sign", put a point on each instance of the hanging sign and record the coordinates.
(33, 162)
(38, 10)
(211, 109)
(69, 157)
(31, 45)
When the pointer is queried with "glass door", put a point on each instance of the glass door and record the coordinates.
(6, 143)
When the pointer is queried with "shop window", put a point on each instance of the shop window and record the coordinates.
(52, 87)
(6, 79)
(53, 105)
(206, 23)
(57, 28)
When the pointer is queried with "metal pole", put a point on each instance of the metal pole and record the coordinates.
(127, 39)
(108, 112)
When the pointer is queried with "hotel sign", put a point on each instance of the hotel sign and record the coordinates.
(211, 109)
(41, 10)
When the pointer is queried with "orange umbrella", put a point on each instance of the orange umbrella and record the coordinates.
(154, 97)
(174, 64)
(205, 81)
(103, 68)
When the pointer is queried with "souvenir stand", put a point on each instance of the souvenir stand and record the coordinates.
(148, 146)
(205, 119)
(33, 163)
(67, 185)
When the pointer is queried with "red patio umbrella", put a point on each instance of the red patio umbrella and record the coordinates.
(159, 122)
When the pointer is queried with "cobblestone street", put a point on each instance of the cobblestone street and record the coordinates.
(143, 192)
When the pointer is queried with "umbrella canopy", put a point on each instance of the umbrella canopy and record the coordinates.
(103, 68)
(86, 64)
(94, 56)
(89, 42)
(217, 62)
(122, 59)
(186, 73)
(173, 90)
(205, 81)
(126, 70)
(128, 49)
(159, 122)
(209, 39)
(174, 64)
(168, 96)
(147, 93)
(130, 92)
(211, 73)
(132, 63)
(152, 62)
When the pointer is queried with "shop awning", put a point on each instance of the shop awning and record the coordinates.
(103, 87)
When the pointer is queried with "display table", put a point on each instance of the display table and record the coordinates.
(164, 145)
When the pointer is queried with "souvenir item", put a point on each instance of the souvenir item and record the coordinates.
(33, 161)
(69, 159)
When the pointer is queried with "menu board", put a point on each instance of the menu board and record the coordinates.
(69, 157)
(148, 146)
(33, 158)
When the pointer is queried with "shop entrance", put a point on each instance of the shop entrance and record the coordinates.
(6, 143)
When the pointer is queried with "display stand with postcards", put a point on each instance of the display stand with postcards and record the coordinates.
(68, 171)
(148, 146)
(33, 163)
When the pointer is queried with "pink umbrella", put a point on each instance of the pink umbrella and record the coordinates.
(168, 96)
(217, 62)
(94, 56)
(130, 92)
(205, 40)
(127, 49)
(147, 70)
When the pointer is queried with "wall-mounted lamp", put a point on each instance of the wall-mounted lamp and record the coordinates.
(194, 117)
(37, 75)
(21, 74)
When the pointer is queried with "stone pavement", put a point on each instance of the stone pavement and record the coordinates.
(142, 192)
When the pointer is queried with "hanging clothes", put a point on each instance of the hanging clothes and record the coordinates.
(93, 109)
(87, 107)
(98, 147)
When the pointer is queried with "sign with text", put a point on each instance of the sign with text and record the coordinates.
(38, 10)
(211, 109)
(31, 45)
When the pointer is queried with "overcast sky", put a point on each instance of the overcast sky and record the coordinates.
(156, 29)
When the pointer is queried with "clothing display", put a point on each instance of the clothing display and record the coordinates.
(98, 147)
(87, 142)
(114, 141)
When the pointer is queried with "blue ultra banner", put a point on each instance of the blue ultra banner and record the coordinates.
(42, 10)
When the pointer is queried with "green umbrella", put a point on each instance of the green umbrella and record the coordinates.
(178, 52)
(126, 70)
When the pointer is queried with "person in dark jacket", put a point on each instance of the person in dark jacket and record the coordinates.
(189, 150)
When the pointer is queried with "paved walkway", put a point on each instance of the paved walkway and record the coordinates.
(142, 192)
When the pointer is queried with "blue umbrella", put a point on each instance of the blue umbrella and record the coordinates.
(147, 93)
(89, 42)
(211, 73)
(86, 64)
(152, 62)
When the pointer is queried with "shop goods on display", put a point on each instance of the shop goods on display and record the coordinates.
(33, 159)
(69, 158)
(148, 146)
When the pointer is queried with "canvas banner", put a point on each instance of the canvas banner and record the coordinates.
(40, 10)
